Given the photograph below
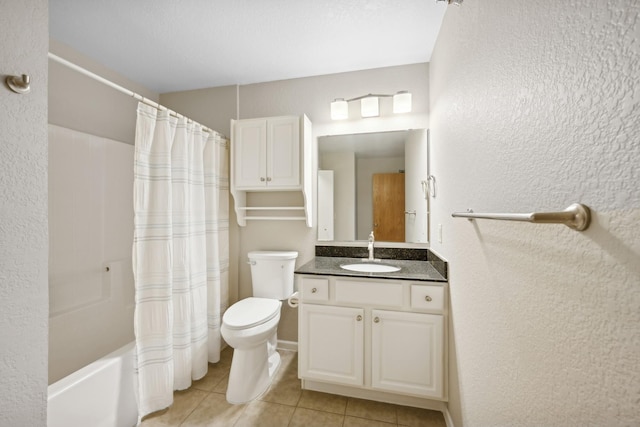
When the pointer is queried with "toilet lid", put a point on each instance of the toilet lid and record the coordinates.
(250, 312)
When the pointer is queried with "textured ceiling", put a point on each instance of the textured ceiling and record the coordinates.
(171, 45)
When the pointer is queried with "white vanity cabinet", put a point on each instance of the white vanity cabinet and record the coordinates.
(372, 338)
(333, 339)
(407, 352)
(266, 153)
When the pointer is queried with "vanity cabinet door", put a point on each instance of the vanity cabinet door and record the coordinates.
(407, 353)
(266, 154)
(331, 344)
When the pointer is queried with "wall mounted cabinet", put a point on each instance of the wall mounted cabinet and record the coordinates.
(272, 154)
(267, 154)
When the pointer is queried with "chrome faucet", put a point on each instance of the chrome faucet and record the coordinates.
(370, 246)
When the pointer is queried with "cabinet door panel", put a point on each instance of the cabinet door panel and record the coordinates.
(331, 344)
(407, 351)
(283, 152)
(250, 145)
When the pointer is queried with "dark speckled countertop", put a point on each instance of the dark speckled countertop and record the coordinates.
(409, 269)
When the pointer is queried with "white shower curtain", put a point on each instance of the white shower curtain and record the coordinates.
(180, 253)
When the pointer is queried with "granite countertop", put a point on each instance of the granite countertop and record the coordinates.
(409, 270)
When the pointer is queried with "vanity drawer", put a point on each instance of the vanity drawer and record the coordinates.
(314, 289)
(371, 293)
(424, 297)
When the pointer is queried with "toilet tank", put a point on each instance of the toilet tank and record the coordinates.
(272, 273)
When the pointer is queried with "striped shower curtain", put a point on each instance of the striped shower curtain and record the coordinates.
(180, 253)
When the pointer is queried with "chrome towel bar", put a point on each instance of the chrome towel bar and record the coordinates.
(576, 216)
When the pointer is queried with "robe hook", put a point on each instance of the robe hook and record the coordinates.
(19, 84)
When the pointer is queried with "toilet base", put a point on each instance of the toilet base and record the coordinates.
(251, 372)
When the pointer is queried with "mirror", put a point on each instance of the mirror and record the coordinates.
(373, 181)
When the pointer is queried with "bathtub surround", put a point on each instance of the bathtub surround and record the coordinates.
(91, 229)
(180, 253)
(534, 106)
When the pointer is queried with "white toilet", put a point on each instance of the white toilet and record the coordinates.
(250, 325)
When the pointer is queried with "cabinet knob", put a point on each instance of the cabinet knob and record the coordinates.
(268, 179)
(359, 318)
(428, 298)
(376, 319)
(262, 178)
(314, 290)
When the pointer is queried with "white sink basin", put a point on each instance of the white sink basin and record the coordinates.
(370, 267)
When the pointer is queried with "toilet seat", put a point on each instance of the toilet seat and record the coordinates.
(251, 312)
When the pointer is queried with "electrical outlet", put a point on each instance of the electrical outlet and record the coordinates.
(439, 233)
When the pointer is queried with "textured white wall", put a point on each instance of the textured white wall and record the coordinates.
(23, 215)
(536, 105)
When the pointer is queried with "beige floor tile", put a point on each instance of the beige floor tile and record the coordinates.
(214, 411)
(285, 404)
(184, 402)
(285, 391)
(416, 417)
(265, 414)
(309, 418)
(221, 387)
(372, 410)
(215, 374)
(323, 402)
(226, 355)
(288, 365)
(362, 422)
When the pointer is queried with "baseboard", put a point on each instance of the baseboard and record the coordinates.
(447, 417)
(287, 345)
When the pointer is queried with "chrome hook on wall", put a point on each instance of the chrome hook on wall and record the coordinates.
(19, 84)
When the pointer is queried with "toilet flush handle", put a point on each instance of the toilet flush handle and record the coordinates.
(251, 262)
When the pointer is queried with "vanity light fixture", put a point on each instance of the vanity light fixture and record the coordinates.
(370, 105)
(402, 102)
(339, 109)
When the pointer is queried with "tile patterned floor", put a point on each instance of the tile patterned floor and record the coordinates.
(284, 405)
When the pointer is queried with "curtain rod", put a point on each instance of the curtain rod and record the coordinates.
(126, 91)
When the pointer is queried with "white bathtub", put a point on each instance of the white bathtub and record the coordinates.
(98, 395)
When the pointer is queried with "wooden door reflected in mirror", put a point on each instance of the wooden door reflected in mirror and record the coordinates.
(388, 207)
